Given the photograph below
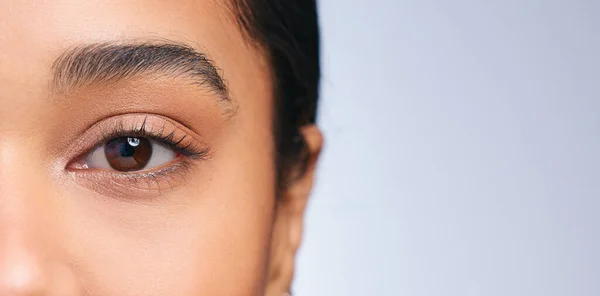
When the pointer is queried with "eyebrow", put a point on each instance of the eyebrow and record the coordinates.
(111, 62)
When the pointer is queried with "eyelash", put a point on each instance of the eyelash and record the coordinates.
(189, 150)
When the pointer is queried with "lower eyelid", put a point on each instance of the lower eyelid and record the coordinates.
(137, 185)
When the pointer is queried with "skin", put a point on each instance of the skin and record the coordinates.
(214, 226)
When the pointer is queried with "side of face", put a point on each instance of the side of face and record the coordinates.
(151, 181)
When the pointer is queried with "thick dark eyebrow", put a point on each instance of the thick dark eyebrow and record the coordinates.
(110, 62)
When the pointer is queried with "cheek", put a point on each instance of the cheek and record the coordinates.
(201, 242)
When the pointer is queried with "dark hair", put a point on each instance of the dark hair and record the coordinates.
(288, 32)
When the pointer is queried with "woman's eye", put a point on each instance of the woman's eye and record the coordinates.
(128, 154)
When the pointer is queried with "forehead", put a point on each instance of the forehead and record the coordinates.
(77, 21)
(34, 33)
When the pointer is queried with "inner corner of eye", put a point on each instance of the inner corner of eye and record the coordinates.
(78, 164)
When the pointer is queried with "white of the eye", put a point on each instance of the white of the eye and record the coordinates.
(160, 155)
(97, 159)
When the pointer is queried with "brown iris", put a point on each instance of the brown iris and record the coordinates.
(127, 154)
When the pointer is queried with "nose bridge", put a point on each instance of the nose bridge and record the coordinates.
(24, 231)
(25, 199)
(24, 221)
(29, 228)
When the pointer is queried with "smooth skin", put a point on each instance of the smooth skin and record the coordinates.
(214, 226)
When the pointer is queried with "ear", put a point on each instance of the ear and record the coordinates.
(289, 216)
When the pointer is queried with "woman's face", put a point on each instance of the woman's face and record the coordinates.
(136, 153)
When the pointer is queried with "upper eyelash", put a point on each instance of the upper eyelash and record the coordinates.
(167, 139)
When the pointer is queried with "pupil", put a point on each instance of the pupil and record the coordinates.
(128, 154)
(127, 150)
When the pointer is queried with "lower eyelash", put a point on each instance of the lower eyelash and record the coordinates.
(156, 179)
(136, 184)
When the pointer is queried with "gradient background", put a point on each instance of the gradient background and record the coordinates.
(462, 150)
